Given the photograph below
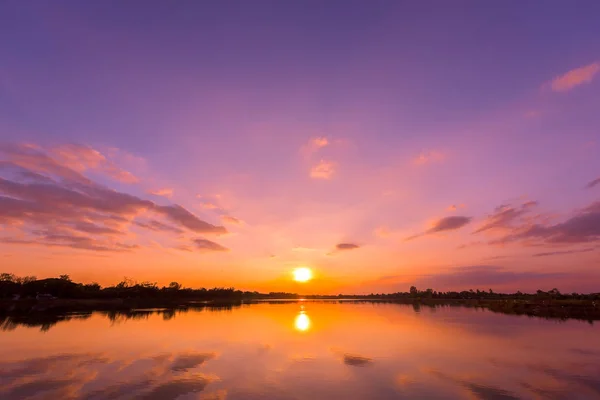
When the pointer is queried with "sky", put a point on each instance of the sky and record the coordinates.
(383, 144)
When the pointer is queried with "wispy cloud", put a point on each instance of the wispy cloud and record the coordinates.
(593, 183)
(313, 145)
(158, 226)
(442, 225)
(575, 77)
(164, 192)
(563, 252)
(323, 170)
(228, 219)
(455, 207)
(300, 249)
(207, 245)
(506, 216)
(81, 158)
(346, 246)
(429, 157)
(583, 227)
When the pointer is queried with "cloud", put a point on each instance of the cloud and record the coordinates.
(209, 205)
(505, 216)
(75, 242)
(228, 219)
(206, 245)
(575, 77)
(157, 226)
(583, 227)
(182, 216)
(455, 207)
(429, 157)
(300, 249)
(323, 170)
(593, 183)
(449, 223)
(52, 204)
(468, 277)
(319, 142)
(346, 246)
(470, 244)
(81, 158)
(442, 225)
(165, 192)
(314, 144)
(562, 252)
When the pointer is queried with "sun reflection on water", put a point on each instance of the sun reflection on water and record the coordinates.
(302, 322)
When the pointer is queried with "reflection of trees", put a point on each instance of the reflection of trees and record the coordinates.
(43, 320)
(47, 318)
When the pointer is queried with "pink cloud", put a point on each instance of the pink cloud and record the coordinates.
(165, 192)
(314, 144)
(323, 170)
(575, 77)
(454, 207)
(227, 219)
(50, 203)
(81, 158)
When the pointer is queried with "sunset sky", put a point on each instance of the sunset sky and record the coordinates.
(382, 144)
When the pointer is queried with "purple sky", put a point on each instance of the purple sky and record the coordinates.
(470, 128)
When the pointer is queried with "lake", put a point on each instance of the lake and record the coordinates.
(300, 350)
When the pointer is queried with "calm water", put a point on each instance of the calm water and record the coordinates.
(303, 350)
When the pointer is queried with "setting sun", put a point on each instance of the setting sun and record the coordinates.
(302, 274)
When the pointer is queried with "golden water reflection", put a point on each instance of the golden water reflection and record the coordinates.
(377, 350)
(302, 322)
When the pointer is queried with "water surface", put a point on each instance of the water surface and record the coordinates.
(300, 350)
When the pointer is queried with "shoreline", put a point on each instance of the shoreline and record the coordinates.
(587, 310)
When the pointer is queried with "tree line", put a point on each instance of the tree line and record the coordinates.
(12, 286)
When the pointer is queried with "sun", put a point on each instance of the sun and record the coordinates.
(302, 274)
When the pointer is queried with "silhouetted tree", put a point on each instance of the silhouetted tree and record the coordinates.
(413, 291)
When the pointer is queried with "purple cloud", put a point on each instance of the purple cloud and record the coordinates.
(207, 245)
(41, 193)
(558, 253)
(583, 227)
(155, 225)
(444, 224)
(593, 183)
(505, 216)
